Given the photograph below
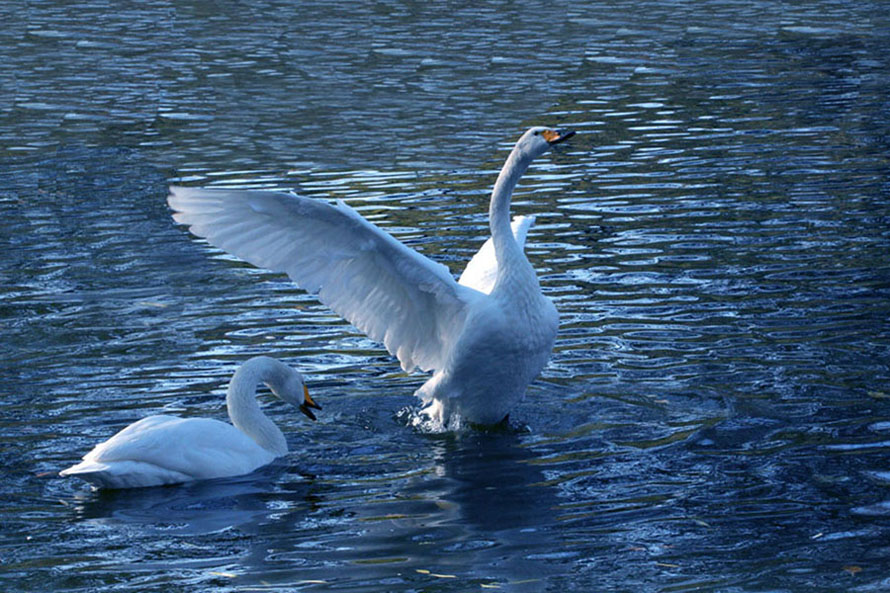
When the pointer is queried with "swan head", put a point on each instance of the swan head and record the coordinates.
(293, 390)
(538, 140)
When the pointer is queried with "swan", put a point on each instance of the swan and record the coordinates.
(484, 337)
(167, 449)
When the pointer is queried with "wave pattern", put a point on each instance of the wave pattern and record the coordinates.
(716, 237)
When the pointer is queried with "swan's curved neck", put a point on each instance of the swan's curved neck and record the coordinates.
(505, 245)
(244, 410)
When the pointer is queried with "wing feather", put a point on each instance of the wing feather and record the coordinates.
(482, 270)
(387, 290)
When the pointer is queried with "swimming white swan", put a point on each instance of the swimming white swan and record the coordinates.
(484, 337)
(168, 449)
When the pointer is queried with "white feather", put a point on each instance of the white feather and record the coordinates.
(482, 270)
(167, 449)
(385, 289)
(485, 338)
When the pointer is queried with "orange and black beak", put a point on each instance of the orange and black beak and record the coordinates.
(554, 137)
(308, 402)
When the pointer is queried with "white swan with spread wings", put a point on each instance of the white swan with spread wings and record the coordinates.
(484, 337)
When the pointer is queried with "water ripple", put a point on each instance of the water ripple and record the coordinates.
(715, 237)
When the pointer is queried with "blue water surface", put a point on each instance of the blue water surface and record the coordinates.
(716, 415)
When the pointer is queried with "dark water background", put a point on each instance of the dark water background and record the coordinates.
(716, 416)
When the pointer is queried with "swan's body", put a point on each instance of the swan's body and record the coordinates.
(168, 449)
(485, 338)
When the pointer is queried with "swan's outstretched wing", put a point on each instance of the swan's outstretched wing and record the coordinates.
(385, 289)
(482, 270)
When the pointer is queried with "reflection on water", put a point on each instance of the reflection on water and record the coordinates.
(446, 516)
(191, 509)
(715, 416)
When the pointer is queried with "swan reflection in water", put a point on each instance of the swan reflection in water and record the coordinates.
(196, 508)
(467, 510)
(466, 504)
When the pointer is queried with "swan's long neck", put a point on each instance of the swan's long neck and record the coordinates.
(505, 247)
(244, 410)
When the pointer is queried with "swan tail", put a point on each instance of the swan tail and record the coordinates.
(124, 474)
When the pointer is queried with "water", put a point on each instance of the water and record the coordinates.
(716, 416)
